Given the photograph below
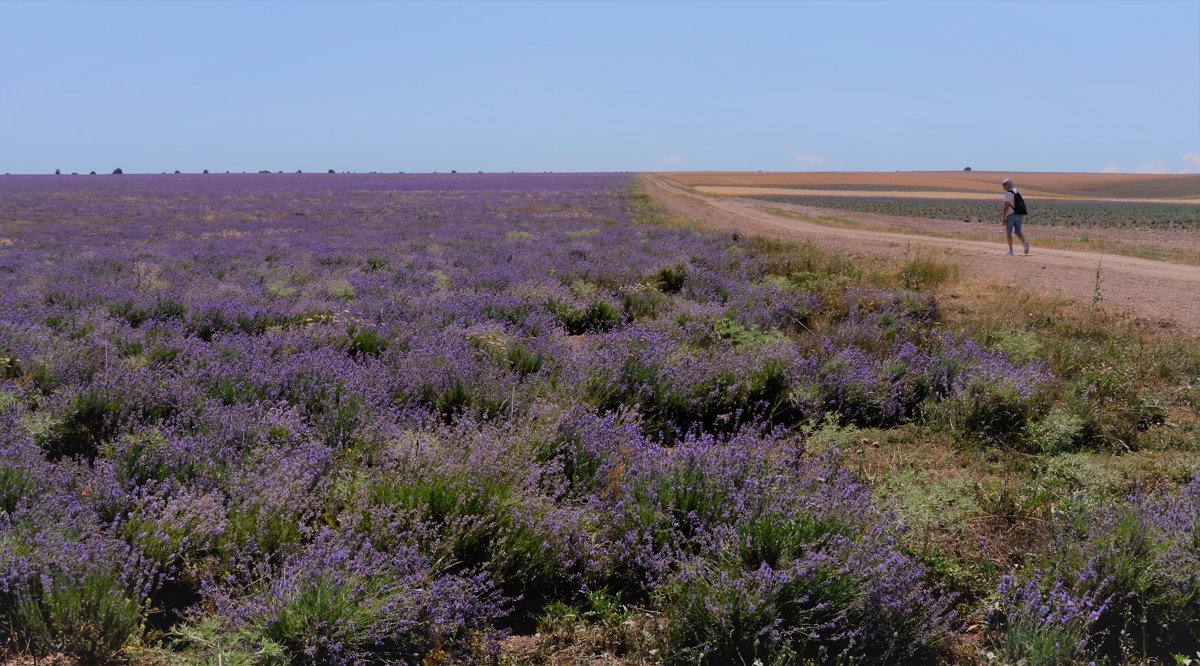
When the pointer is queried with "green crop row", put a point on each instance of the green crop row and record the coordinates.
(1050, 213)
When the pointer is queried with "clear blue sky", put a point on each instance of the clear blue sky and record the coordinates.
(572, 86)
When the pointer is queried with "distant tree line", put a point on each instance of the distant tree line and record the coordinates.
(118, 172)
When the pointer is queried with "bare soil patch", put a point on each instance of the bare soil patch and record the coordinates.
(1160, 294)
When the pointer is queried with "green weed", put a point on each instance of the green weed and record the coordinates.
(90, 619)
(927, 272)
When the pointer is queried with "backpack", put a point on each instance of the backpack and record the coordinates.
(1019, 203)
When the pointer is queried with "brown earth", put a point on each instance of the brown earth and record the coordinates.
(1166, 188)
(1161, 294)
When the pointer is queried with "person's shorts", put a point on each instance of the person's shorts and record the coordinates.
(1013, 223)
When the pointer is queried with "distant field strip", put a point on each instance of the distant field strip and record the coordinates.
(727, 191)
(1106, 214)
(730, 191)
(1166, 188)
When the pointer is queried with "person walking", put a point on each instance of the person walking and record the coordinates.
(1013, 216)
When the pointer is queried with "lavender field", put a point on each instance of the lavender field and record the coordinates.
(367, 419)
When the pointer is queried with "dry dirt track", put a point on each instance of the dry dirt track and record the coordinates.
(1162, 294)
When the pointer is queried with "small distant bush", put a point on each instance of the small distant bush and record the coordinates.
(996, 413)
(206, 324)
(993, 413)
(670, 280)
(926, 272)
(90, 419)
(340, 288)
(1107, 399)
(1061, 431)
(10, 367)
(643, 302)
(1020, 345)
(523, 360)
(117, 172)
(361, 342)
(15, 485)
(595, 317)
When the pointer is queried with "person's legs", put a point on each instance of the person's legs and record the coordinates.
(1017, 224)
(1008, 231)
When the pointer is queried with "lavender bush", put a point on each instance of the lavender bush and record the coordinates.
(1120, 582)
(804, 571)
(339, 600)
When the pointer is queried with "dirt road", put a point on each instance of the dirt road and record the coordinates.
(1163, 294)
